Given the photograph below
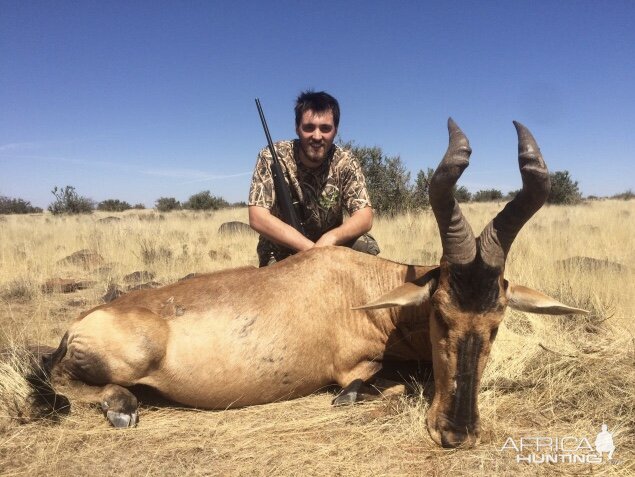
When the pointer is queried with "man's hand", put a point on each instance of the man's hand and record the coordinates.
(327, 239)
(263, 222)
(357, 224)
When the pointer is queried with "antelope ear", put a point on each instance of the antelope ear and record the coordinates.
(408, 294)
(525, 299)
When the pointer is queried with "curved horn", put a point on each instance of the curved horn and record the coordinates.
(459, 246)
(497, 237)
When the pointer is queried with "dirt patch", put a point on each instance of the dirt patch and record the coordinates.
(138, 276)
(65, 285)
(590, 264)
(85, 258)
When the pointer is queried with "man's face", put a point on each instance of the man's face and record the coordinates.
(316, 132)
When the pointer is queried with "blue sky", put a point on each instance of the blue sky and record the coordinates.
(139, 100)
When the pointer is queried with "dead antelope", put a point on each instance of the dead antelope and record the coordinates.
(329, 315)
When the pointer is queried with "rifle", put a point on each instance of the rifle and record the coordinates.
(282, 190)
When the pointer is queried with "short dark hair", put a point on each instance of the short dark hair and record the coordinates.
(319, 102)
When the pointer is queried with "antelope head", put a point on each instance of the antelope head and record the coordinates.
(470, 296)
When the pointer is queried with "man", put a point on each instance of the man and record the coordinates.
(324, 180)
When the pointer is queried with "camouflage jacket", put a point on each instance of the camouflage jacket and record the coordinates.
(321, 195)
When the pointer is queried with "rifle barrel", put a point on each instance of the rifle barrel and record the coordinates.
(282, 189)
(266, 128)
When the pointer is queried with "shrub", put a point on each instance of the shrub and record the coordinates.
(113, 205)
(166, 204)
(68, 201)
(564, 190)
(628, 195)
(19, 289)
(139, 206)
(488, 195)
(17, 206)
(389, 185)
(205, 201)
(461, 194)
(512, 194)
(387, 180)
(151, 252)
(421, 192)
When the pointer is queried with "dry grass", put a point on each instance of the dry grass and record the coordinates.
(547, 376)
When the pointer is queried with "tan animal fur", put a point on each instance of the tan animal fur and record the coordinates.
(329, 315)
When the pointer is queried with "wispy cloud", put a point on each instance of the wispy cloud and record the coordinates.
(82, 162)
(42, 144)
(188, 176)
(18, 146)
(212, 177)
(191, 175)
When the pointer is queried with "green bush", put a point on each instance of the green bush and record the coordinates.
(205, 201)
(488, 195)
(389, 185)
(628, 195)
(564, 190)
(512, 194)
(166, 204)
(461, 194)
(68, 201)
(387, 180)
(421, 191)
(113, 205)
(17, 206)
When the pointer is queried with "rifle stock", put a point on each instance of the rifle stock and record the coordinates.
(283, 193)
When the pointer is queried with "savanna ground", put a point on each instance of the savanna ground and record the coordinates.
(548, 376)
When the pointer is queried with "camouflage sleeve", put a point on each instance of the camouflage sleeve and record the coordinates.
(262, 192)
(354, 193)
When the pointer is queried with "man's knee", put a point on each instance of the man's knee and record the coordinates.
(366, 244)
(267, 260)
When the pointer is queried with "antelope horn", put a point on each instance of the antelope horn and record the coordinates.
(457, 238)
(497, 237)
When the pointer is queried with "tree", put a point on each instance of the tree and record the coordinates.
(421, 192)
(396, 194)
(461, 194)
(387, 180)
(626, 195)
(512, 194)
(205, 201)
(113, 205)
(17, 206)
(564, 190)
(166, 204)
(389, 185)
(68, 201)
(488, 195)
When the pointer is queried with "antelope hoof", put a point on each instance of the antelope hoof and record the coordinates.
(121, 419)
(349, 394)
(345, 399)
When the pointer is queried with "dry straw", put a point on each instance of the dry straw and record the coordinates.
(547, 376)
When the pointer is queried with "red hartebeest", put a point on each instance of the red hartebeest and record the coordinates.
(251, 336)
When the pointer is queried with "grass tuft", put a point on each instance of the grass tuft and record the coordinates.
(547, 376)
